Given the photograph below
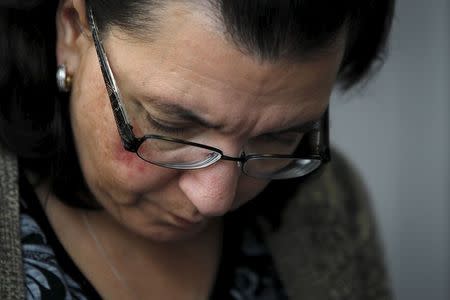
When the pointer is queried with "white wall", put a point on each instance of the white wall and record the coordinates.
(397, 133)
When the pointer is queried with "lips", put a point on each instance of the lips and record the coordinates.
(174, 219)
(183, 222)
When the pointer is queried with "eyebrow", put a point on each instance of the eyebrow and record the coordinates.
(183, 113)
(180, 112)
(302, 127)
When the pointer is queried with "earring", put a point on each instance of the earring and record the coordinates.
(63, 79)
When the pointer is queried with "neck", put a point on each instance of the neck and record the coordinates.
(181, 263)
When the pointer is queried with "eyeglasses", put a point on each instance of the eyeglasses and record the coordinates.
(174, 153)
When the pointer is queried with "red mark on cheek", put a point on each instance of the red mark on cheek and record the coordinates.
(129, 160)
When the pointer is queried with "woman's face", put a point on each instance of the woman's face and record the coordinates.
(188, 67)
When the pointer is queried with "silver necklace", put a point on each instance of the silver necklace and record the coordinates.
(101, 249)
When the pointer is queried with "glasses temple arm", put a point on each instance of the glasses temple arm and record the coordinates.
(123, 125)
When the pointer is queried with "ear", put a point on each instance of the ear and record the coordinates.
(72, 33)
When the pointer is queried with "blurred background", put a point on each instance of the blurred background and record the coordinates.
(397, 133)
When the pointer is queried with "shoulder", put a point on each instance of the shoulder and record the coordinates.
(336, 195)
(11, 285)
(327, 246)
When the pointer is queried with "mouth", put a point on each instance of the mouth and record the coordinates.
(185, 222)
(174, 220)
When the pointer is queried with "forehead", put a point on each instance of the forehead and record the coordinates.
(190, 61)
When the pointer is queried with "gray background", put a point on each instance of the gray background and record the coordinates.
(396, 132)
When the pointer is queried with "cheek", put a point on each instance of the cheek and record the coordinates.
(105, 164)
(138, 175)
(133, 165)
(120, 178)
(109, 170)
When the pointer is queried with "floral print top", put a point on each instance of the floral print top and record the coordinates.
(246, 270)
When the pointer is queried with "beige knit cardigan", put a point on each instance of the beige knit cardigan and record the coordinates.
(326, 248)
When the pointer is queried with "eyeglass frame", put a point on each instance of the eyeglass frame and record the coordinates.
(317, 140)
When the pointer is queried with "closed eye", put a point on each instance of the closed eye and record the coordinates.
(167, 128)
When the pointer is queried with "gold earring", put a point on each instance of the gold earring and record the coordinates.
(63, 79)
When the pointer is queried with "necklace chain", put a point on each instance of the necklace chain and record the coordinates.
(101, 249)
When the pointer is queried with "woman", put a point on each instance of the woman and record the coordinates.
(176, 133)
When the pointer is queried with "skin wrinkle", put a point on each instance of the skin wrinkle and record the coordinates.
(197, 82)
(249, 99)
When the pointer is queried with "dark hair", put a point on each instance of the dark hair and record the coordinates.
(34, 116)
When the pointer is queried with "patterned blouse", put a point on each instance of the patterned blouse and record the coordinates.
(246, 270)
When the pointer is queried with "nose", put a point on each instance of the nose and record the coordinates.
(211, 190)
